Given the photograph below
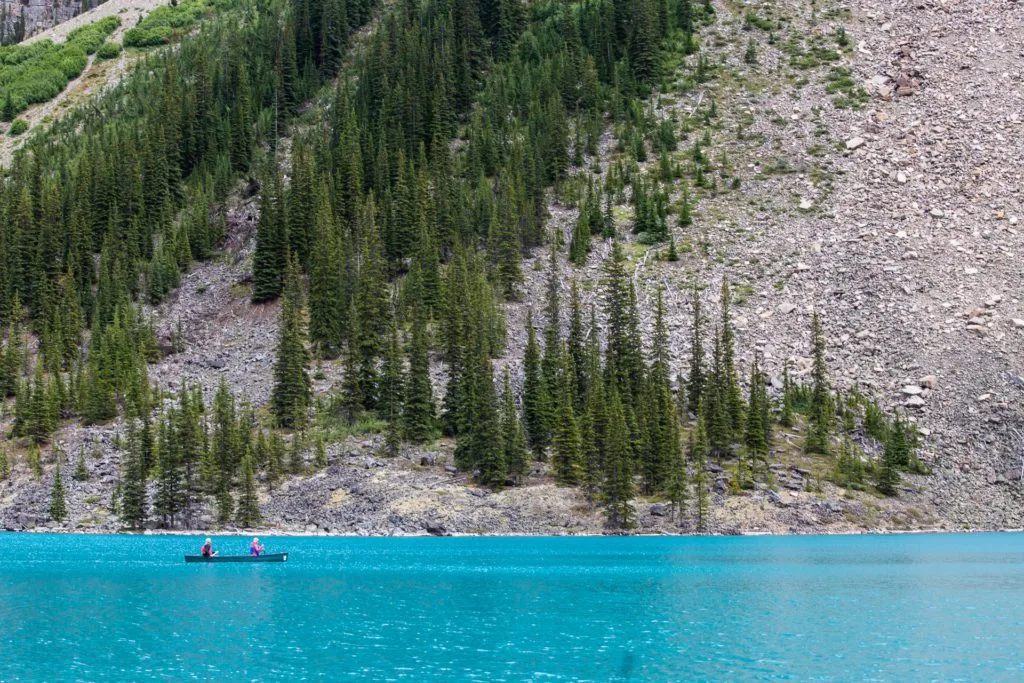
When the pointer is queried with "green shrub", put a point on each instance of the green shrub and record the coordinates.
(147, 37)
(108, 50)
(40, 71)
(165, 23)
(18, 126)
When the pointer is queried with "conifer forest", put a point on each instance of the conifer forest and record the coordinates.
(483, 235)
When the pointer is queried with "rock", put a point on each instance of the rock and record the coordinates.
(904, 85)
(775, 499)
(855, 143)
(785, 309)
(806, 204)
(915, 402)
(450, 469)
(911, 390)
(969, 270)
(436, 529)
(937, 213)
(217, 364)
(901, 177)
(660, 510)
(1018, 323)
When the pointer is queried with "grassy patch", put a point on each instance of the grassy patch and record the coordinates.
(848, 95)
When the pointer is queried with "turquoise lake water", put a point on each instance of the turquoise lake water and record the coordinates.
(899, 608)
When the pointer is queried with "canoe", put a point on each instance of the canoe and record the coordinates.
(269, 557)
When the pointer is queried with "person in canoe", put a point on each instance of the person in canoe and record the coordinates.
(208, 550)
(255, 548)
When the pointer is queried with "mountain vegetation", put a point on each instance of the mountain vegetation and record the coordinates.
(393, 230)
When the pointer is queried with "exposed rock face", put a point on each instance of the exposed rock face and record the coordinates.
(20, 19)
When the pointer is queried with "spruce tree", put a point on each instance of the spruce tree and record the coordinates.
(786, 414)
(513, 436)
(290, 397)
(576, 346)
(624, 355)
(537, 406)
(699, 450)
(392, 381)
(821, 412)
(371, 302)
(248, 513)
(754, 434)
(695, 379)
(727, 372)
(133, 494)
(81, 470)
(58, 506)
(270, 257)
(326, 282)
(618, 483)
(662, 429)
(5, 464)
(419, 416)
(567, 459)
(887, 476)
(678, 486)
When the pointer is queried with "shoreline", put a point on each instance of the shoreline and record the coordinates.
(322, 534)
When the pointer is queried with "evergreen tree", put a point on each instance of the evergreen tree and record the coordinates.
(678, 486)
(133, 494)
(754, 435)
(326, 282)
(577, 359)
(248, 513)
(81, 470)
(5, 464)
(537, 405)
(786, 414)
(662, 430)
(618, 483)
(623, 358)
(419, 413)
(371, 302)
(58, 506)
(513, 436)
(270, 257)
(392, 383)
(695, 380)
(887, 476)
(290, 397)
(821, 412)
(699, 449)
(727, 371)
(567, 460)
(320, 457)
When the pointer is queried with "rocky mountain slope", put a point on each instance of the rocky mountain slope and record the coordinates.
(898, 220)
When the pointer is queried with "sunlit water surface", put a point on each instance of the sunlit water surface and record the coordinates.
(900, 608)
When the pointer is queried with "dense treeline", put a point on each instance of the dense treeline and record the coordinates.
(110, 180)
(394, 231)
